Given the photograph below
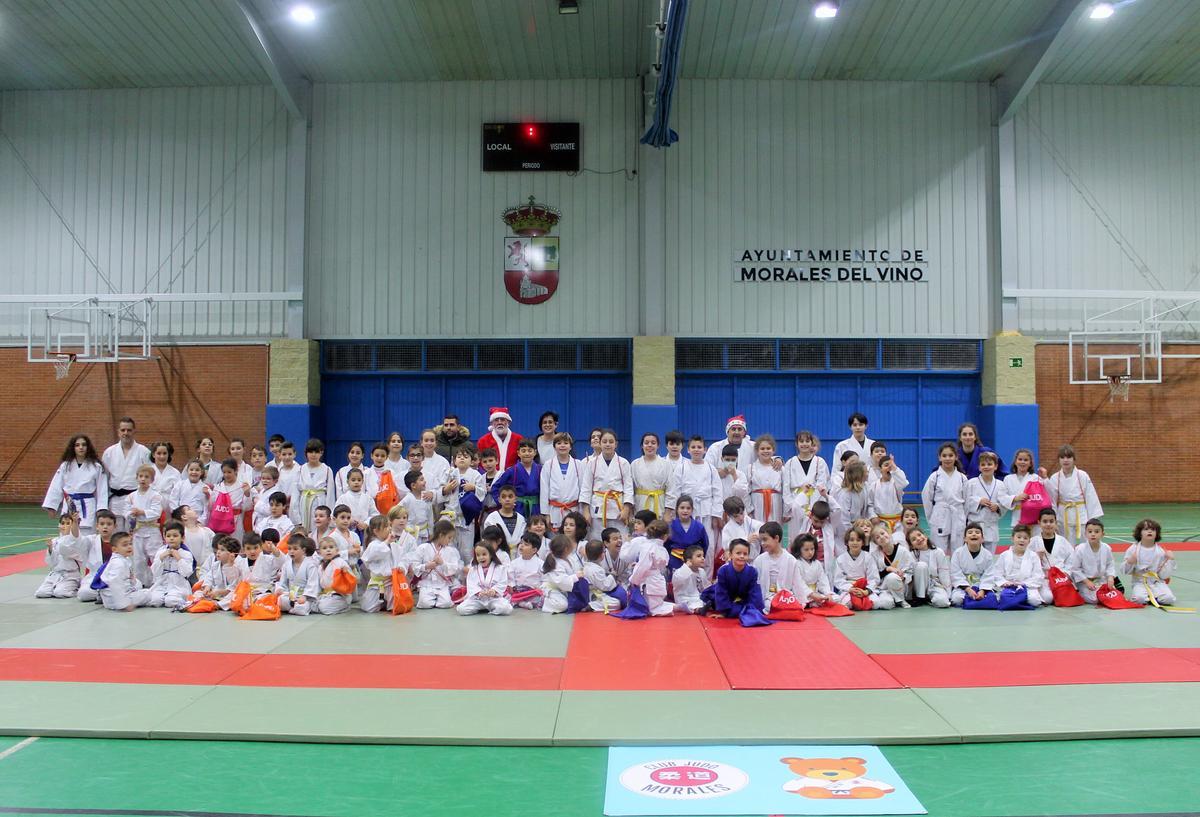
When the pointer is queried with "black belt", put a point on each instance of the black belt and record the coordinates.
(120, 491)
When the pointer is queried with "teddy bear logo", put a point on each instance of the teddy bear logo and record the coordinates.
(827, 778)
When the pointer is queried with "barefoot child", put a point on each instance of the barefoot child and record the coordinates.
(968, 565)
(856, 577)
(1150, 565)
(1092, 565)
(487, 584)
(63, 555)
(438, 567)
(690, 581)
(1018, 567)
(121, 590)
(810, 570)
(377, 564)
(299, 584)
(777, 568)
(944, 499)
(737, 592)
(894, 563)
(1074, 496)
(173, 563)
(931, 571)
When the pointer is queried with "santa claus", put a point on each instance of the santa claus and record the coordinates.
(501, 437)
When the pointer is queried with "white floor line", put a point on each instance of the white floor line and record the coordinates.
(12, 750)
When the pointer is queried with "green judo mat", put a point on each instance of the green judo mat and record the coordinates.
(113, 777)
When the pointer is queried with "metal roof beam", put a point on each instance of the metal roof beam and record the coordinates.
(293, 87)
(1035, 56)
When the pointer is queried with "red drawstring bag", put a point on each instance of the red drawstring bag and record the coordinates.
(386, 496)
(458, 594)
(1065, 594)
(402, 597)
(1112, 598)
(786, 607)
(221, 518)
(862, 603)
(831, 609)
(1038, 499)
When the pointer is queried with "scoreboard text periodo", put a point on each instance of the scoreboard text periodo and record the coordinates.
(531, 146)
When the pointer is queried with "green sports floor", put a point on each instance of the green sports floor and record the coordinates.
(239, 721)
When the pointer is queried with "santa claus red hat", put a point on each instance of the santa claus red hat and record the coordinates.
(736, 420)
(498, 412)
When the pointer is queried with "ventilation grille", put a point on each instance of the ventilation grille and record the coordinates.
(954, 355)
(481, 356)
(693, 355)
(905, 355)
(349, 357)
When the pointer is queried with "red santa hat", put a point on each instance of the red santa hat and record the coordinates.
(498, 412)
(736, 420)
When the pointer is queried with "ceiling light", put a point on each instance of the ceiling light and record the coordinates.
(568, 6)
(825, 10)
(1101, 11)
(303, 14)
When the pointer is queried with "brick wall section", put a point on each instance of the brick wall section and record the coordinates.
(1112, 439)
(219, 391)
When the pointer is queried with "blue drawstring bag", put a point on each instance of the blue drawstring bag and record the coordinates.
(988, 602)
(97, 583)
(471, 506)
(1013, 598)
(636, 607)
(579, 597)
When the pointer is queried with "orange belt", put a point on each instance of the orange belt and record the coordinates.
(768, 504)
(616, 496)
(890, 520)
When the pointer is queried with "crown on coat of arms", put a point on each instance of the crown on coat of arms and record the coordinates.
(531, 219)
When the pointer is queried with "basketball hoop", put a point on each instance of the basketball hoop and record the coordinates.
(62, 365)
(1118, 386)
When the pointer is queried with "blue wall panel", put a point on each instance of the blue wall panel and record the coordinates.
(369, 406)
(912, 413)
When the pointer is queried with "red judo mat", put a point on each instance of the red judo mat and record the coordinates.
(648, 654)
(399, 672)
(1051, 667)
(35, 559)
(803, 657)
(280, 670)
(122, 666)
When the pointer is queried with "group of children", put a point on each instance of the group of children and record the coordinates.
(658, 536)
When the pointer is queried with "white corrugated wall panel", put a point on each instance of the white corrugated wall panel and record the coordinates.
(167, 190)
(404, 230)
(1108, 195)
(791, 164)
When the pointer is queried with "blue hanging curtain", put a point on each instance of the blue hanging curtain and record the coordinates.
(659, 134)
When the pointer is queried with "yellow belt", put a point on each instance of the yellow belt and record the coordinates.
(615, 496)
(1067, 507)
(145, 523)
(655, 498)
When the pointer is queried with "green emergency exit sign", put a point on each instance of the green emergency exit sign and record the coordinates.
(1016, 362)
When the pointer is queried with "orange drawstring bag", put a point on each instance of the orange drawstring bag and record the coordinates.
(402, 596)
(343, 582)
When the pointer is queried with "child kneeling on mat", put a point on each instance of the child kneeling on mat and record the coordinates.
(1092, 566)
(122, 591)
(1149, 564)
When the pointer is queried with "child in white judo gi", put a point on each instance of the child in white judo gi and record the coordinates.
(689, 581)
(173, 564)
(487, 585)
(438, 566)
(300, 581)
(123, 592)
(1092, 565)
(1149, 564)
(62, 555)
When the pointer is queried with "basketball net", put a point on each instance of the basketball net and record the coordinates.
(1118, 386)
(62, 365)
